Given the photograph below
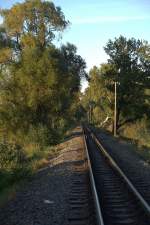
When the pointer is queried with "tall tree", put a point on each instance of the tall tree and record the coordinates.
(97, 99)
(129, 66)
(33, 22)
(132, 76)
(39, 82)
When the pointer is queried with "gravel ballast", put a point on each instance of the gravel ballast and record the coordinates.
(136, 169)
(45, 199)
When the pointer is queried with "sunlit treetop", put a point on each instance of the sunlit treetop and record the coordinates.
(33, 22)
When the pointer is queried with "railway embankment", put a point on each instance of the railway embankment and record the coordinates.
(49, 198)
(61, 192)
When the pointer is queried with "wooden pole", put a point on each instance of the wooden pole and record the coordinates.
(115, 111)
(90, 114)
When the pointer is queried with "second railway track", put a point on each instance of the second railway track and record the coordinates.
(119, 202)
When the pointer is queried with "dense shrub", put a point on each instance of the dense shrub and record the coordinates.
(139, 131)
(11, 155)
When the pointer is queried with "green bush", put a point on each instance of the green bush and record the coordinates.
(11, 155)
(139, 131)
(23, 152)
(39, 134)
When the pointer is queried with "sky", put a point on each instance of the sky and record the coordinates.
(94, 22)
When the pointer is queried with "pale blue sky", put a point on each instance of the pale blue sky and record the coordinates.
(93, 22)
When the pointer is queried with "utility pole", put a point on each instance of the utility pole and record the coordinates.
(115, 111)
(90, 113)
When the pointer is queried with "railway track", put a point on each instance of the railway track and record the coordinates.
(80, 199)
(117, 202)
(131, 164)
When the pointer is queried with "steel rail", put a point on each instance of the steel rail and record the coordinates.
(99, 217)
(138, 196)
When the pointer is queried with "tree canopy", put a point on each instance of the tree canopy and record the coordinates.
(129, 66)
(33, 23)
(39, 82)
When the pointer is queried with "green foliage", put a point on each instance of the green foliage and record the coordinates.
(10, 155)
(131, 60)
(97, 100)
(33, 22)
(138, 131)
(31, 94)
(129, 66)
(36, 82)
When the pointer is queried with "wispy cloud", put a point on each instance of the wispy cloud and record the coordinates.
(106, 19)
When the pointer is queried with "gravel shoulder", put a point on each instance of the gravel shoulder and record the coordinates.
(129, 161)
(45, 199)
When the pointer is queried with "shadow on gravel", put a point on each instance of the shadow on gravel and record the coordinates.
(44, 200)
(74, 134)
